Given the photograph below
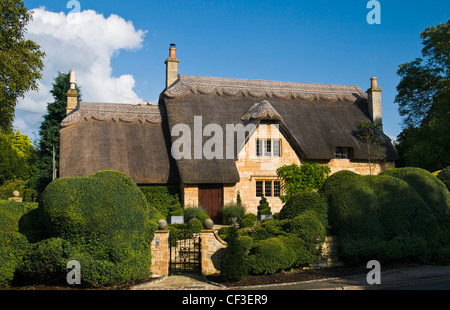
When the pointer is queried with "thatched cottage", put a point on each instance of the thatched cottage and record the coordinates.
(193, 137)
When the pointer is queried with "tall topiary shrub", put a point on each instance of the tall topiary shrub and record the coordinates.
(104, 217)
(233, 267)
(263, 207)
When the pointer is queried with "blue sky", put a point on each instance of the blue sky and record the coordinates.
(299, 41)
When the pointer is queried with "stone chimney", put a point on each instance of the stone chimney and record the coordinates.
(171, 66)
(72, 94)
(374, 103)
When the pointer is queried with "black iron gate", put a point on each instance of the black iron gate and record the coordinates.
(185, 255)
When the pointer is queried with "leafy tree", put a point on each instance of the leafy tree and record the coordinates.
(20, 60)
(16, 156)
(49, 131)
(423, 100)
(368, 136)
(308, 177)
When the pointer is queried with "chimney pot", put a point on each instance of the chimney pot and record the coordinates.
(373, 82)
(172, 50)
(72, 79)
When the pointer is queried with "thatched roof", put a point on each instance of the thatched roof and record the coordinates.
(315, 118)
(135, 139)
(132, 139)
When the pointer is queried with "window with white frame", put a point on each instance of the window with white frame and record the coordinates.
(268, 147)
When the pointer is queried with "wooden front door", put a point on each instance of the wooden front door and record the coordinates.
(210, 197)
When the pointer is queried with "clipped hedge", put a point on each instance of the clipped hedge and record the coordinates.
(270, 255)
(385, 217)
(105, 218)
(303, 201)
(13, 242)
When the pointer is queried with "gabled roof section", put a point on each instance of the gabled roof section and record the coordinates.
(263, 111)
(259, 88)
(133, 139)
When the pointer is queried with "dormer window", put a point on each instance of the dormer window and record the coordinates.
(268, 148)
(343, 152)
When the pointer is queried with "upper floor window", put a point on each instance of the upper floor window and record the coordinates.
(268, 148)
(343, 152)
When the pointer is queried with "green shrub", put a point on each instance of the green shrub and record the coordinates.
(387, 217)
(223, 232)
(195, 226)
(305, 201)
(45, 261)
(161, 197)
(233, 211)
(308, 228)
(174, 208)
(249, 220)
(351, 206)
(268, 229)
(9, 186)
(269, 256)
(105, 217)
(428, 186)
(444, 176)
(233, 267)
(307, 177)
(193, 212)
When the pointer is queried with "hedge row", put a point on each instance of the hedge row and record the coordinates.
(401, 215)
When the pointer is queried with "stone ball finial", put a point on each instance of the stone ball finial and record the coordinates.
(208, 224)
(15, 193)
(162, 224)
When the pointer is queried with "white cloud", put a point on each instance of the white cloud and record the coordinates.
(85, 44)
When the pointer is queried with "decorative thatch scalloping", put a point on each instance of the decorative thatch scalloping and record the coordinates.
(104, 112)
(258, 88)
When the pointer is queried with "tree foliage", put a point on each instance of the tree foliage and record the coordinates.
(369, 137)
(423, 100)
(20, 60)
(307, 177)
(49, 131)
(17, 156)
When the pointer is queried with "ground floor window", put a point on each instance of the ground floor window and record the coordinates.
(268, 188)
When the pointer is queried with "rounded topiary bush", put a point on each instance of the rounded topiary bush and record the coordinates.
(304, 201)
(269, 256)
(387, 217)
(105, 218)
(428, 186)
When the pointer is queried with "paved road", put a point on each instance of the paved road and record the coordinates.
(427, 286)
